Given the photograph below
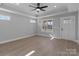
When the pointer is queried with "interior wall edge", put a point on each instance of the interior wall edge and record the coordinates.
(14, 12)
(18, 38)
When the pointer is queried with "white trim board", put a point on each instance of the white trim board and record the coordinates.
(43, 35)
(77, 41)
(18, 13)
(17, 38)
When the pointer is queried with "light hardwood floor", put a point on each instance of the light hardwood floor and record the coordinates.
(42, 46)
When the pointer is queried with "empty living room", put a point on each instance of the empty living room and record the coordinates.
(39, 29)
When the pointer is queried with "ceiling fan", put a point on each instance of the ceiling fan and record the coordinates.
(38, 7)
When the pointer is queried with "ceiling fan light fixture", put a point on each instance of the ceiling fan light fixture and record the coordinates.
(38, 7)
(37, 10)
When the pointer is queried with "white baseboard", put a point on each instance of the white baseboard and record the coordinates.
(42, 35)
(77, 41)
(17, 38)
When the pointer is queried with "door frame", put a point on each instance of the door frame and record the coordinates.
(76, 24)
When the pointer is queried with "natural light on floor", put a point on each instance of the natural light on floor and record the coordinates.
(30, 53)
(51, 36)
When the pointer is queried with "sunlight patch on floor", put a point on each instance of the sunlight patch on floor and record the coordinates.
(30, 53)
(51, 36)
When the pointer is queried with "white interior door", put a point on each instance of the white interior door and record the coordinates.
(67, 27)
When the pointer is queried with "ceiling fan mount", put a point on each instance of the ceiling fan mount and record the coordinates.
(38, 7)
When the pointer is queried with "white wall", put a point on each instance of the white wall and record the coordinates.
(78, 26)
(46, 33)
(18, 26)
(57, 18)
(73, 6)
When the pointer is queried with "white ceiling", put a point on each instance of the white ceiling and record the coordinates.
(49, 9)
(25, 9)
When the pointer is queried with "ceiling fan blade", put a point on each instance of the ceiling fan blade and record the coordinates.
(32, 6)
(34, 9)
(42, 10)
(44, 7)
(38, 4)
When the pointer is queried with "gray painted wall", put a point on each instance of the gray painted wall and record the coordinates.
(57, 18)
(56, 25)
(18, 26)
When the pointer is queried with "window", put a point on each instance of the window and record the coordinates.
(32, 21)
(4, 18)
(47, 25)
